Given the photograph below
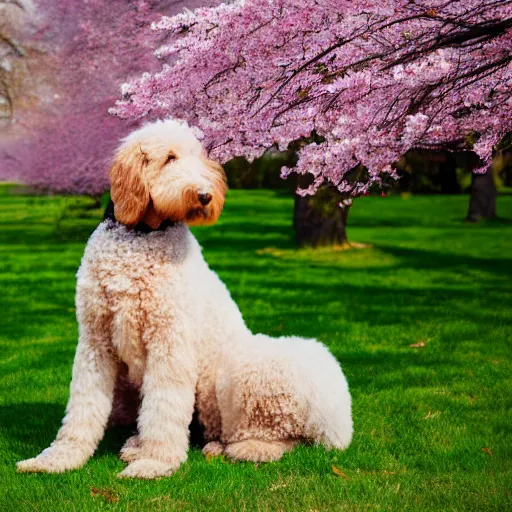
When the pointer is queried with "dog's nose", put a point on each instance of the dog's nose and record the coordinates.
(204, 199)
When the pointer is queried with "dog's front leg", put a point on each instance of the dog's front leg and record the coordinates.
(168, 393)
(88, 409)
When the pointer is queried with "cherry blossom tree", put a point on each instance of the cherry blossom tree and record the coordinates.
(61, 62)
(359, 82)
(13, 55)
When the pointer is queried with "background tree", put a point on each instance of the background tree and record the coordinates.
(61, 62)
(13, 56)
(370, 79)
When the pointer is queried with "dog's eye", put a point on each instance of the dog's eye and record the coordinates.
(170, 158)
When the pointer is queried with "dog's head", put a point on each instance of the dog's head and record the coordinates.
(160, 172)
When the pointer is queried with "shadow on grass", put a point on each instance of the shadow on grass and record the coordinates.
(376, 306)
(33, 427)
(451, 222)
(425, 259)
(451, 287)
(446, 295)
(28, 233)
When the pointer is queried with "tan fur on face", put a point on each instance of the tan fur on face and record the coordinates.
(188, 208)
(149, 186)
(129, 190)
(219, 190)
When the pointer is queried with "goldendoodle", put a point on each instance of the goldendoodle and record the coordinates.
(154, 318)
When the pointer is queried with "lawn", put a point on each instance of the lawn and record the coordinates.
(420, 321)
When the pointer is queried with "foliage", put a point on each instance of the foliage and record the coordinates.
(71, 57)
(432, 421)
(262, 172)
(434, 171)
(371, 78)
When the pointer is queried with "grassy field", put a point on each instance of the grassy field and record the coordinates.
(421, 322)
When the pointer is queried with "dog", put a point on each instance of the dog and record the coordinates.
(155, 321)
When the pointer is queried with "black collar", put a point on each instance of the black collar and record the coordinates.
(141, 227)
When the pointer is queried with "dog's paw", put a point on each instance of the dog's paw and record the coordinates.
(255, 450)
(51, 461)
(148, 469)
(131, 449)
(213, 449)
(38, 465)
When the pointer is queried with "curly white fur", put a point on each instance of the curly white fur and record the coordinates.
(152, 313)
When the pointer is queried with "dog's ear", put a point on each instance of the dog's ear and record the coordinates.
(129, 190)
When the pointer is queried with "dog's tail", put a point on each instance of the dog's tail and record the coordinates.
(330, 420)
(334, 424)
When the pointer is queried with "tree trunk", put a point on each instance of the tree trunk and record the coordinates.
(318, 220)
(482, 204)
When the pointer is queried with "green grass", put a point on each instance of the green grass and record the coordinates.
(423, 416)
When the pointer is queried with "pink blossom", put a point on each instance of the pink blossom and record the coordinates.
(371, 79)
